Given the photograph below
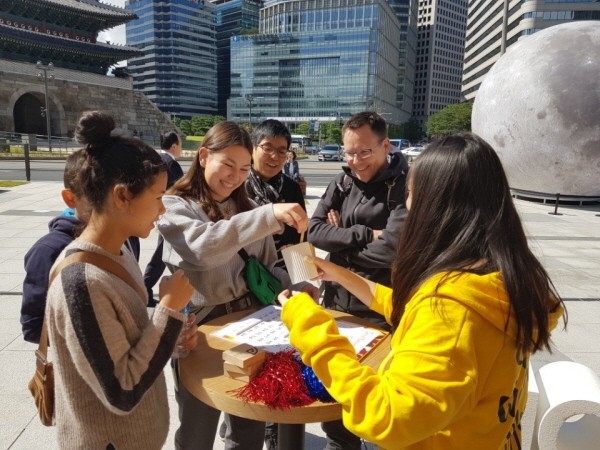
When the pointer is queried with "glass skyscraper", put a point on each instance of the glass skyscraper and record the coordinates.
(178, 70)
(406, 12)
(234, 17)
(317, 60)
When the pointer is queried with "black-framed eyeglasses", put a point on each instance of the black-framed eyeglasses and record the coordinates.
(280, 152)
(360, 155)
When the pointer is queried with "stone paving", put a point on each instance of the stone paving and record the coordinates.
(567, 244)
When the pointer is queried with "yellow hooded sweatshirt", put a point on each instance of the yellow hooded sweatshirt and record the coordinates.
(453, 378)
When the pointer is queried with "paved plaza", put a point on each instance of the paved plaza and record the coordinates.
(567, 244)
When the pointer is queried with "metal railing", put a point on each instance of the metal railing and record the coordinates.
(15, 144)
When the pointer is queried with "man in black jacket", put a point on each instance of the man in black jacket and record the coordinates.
(358, 221)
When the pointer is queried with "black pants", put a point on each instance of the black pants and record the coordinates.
(154, 269)
(338, 437)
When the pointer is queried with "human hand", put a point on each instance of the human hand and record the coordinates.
(333, 218)
(284, 296)
(377, 234)
(327, 271)
(175, 290)
(311, 290)
(291, 214)
(188, 339)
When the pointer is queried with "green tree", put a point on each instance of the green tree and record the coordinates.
(303, 128)
(451, 119)
(411, 130)
(201, 124)
(184, 125)
(217, 119)
(331, 132)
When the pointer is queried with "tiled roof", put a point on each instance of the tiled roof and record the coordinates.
(17, 35)
(92, 6)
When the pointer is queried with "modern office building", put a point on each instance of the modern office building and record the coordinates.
(317, 60)
(234, 17)
(406, 12)
(178, 69)
(494, 25)
(440, 52)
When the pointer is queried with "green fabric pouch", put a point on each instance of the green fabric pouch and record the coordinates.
(260, 281)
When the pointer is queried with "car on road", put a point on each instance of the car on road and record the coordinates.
(313, 150)
(411, 153)
(400, 143)
(331, 152)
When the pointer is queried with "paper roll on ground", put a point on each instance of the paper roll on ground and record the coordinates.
(568, 415)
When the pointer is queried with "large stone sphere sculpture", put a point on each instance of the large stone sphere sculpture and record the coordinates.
(539, 107)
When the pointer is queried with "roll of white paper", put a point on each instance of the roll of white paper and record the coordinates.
(568, 415)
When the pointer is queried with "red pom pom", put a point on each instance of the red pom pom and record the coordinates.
(279, 384)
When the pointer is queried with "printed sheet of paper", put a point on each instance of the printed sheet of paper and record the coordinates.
(265, 330)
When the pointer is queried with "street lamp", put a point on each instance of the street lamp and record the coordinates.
(387, 121)
(250, 100)
(46, 111)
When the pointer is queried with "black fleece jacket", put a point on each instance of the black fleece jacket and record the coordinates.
(363, 207)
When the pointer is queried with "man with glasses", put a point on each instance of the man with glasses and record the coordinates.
(267, 183)
(358, 221)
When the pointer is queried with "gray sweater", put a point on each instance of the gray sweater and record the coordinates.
(108, 357)
(207, 250)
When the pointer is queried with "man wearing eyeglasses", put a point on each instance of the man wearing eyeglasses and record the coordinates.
(358, 221)
(267, 183)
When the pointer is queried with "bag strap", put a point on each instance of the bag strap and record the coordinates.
(96, 259)
(346, 186)
(243, 254)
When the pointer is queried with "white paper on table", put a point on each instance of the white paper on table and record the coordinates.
(265, 330)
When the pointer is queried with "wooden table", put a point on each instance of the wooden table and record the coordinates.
(203, 376)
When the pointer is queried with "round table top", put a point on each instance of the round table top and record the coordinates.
(202, 374)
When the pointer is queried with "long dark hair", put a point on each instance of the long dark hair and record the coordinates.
(462, 218)
(110, 160)
(193, 184)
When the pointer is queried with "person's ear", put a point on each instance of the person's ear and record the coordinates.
(202, 156)
(68, 197)
(386, 146)
(121, 195)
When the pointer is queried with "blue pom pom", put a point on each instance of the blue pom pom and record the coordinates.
(314, 385)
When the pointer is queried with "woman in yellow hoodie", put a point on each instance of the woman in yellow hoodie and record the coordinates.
(469, 304)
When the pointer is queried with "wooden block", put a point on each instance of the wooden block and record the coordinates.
(250, 370)
(243, 355)
(240, 377)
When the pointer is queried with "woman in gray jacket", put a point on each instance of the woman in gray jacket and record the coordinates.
(208, 219)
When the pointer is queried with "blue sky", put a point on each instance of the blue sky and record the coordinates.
(114, 35)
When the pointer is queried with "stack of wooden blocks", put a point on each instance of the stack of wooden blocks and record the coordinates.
(243, 362)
